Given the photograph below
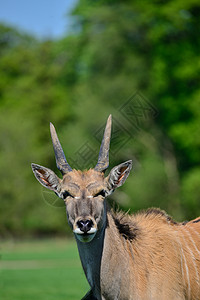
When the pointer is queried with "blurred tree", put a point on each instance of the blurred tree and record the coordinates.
(31, 96)
(115, 49)
(151, 47)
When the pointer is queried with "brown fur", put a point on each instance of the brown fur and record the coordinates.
(163, 256)
(128, 227)
(77, 181)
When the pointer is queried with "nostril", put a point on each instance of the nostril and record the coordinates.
(85, 225)
(89, 223)
(80, 224)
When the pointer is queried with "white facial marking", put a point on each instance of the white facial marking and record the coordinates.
(78, 231)
(85, 237)
(92, 230)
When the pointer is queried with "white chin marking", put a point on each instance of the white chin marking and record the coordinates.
(78, 231)
(92, 230)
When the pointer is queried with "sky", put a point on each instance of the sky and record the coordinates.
(43, 18)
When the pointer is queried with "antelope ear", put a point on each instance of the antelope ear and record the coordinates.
(118, 175)
(46, 177)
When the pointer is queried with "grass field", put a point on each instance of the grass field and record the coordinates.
(41, 270)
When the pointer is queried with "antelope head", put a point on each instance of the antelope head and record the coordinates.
(84, 192)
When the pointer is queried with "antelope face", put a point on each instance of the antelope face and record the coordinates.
(84, 192)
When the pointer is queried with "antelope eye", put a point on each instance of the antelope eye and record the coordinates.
(66, 194)
(101, 193)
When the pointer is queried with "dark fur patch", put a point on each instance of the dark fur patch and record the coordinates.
(184, 223)
(162, 213)
(196, 221)
(127, 228)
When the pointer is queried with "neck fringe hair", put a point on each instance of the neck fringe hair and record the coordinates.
(127, 228)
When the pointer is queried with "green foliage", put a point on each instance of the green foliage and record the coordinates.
(31, 96)
(191, 192)
(115, 49)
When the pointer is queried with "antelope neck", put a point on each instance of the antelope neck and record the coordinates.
(91, 257)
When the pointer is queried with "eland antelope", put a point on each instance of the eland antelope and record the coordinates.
(145, 256)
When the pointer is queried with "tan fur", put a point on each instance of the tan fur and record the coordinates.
(162, 262)
(77, 181)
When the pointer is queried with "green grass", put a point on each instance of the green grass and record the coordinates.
(41, 270)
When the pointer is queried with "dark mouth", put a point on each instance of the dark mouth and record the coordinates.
(86, 237)
(86, 234)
